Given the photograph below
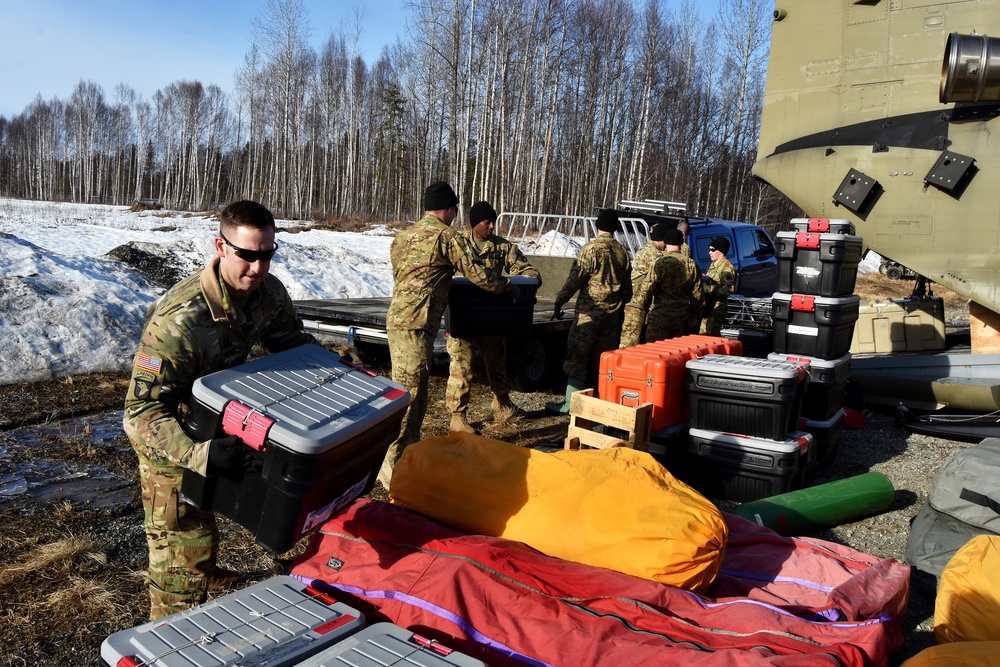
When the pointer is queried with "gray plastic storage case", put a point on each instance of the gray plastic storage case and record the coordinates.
(278, 623)
(744, 468)
(754, 397)
(387, 644)
(324, 426)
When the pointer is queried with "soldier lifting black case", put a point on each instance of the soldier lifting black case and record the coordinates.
(322, 424)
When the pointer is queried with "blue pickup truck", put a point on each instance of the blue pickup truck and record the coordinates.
(751, 249)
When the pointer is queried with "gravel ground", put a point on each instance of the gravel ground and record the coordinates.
(34, 627)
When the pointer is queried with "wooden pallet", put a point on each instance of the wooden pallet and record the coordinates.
(585, 410)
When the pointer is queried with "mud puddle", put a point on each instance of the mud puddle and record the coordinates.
(83, 460)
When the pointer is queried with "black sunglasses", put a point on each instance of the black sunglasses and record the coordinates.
(251, 256)
(710, 249)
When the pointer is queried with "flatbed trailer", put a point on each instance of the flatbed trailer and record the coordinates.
(534, 361)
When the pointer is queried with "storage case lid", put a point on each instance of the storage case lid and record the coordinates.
(387, 644)
(750, 367)
(823, 225)
(813, 362)
(275, 622)
(816, 241)
(316, 399)
(525, 281)
(796, 440)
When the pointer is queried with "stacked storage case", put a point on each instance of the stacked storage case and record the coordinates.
(323, 427)
(900, 325)
(814, 314)
(744, 443)
(387, 644)
(822, 407)
(655, 373)
(279, 622)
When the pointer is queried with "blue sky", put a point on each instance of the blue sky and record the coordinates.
(47, 46)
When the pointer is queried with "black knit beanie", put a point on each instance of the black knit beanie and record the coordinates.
(481, 210)
(658, 232)
(607, 221)
(721, 243)
(673, 237)
(439, 196)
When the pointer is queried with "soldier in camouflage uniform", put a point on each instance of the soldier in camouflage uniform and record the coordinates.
(500, 256)
(424, 258)
(205, 323)
(674, 289)
(601, 273)
(718, 283)
(643, 261)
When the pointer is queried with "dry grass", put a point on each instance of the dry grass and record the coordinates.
(62, 593)
(59, 398)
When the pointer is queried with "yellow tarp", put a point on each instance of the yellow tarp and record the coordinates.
(960, 654)
(615, 508)
(967, 607)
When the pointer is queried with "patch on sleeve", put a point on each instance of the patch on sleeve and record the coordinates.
(148, 363)
(143, 385)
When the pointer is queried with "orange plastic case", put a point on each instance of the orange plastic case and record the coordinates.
(654, 373)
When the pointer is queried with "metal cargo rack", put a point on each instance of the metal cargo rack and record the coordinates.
(749, 312)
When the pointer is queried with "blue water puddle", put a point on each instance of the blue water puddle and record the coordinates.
(43, 479)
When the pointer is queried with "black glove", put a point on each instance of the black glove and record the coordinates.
(229, 453)
(513, 292)
(557, 312)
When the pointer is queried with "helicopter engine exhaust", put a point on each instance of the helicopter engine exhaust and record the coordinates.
(971, 69)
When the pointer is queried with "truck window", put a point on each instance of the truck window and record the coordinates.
(700, 251)
(747, 244)
(764, 243)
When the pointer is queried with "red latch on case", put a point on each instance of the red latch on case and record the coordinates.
(819, 225)
(807, 240)
(804, 302)
(250, 425)
(440, 649)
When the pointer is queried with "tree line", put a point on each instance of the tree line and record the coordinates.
(555, 106)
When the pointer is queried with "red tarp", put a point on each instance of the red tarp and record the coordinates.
(777, 601)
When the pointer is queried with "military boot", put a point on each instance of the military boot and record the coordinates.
(460, 423)
(502, 406)
(573, 384)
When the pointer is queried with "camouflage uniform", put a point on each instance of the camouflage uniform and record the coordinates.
(674, 289)
(685, 250)
(719, 282)
(192, 330)
(641, 265)
(601, 273)
(424, 258)
(500, 256)
(643, 262)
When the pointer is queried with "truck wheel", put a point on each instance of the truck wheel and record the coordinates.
(528, 364)
(894, 272)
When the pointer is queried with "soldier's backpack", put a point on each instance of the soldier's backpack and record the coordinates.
(964, 501)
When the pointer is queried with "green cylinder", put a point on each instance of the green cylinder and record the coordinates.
(822, 506)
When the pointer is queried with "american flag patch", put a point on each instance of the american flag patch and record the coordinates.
(148, 363)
